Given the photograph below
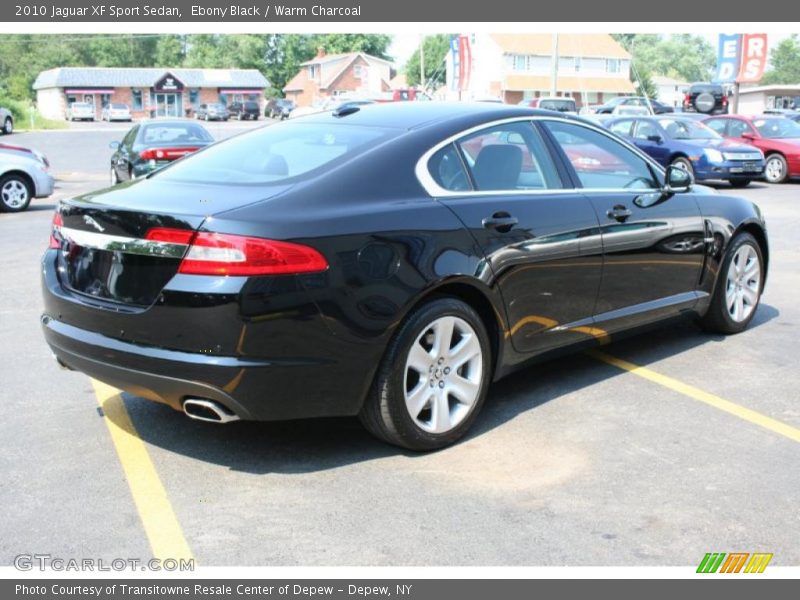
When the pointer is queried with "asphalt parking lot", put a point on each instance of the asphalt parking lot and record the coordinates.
(653, 451)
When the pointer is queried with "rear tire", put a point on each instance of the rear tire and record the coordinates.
(433, 379)
(8, 126)
(738, 289)
(15, 193)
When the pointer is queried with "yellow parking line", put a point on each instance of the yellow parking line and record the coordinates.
(160, 524)
(727, 406)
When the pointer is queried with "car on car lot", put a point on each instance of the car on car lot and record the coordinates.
(556, 103)
(116, 112)
(690, 145)
(249, 110)
(778, 138)
(789, 113)
(610, 105)
(6, 121)
(80, 111)
(279, 108)
(150, 145)
(387, 262)
(212, 112)
(706, 98)
(24, 175)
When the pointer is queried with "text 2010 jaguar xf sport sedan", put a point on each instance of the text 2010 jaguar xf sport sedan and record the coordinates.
(389, 262)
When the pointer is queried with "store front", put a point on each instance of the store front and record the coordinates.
(167, 97)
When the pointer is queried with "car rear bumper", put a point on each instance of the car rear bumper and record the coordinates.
(261, 355)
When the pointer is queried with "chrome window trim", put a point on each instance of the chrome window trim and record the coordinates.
(434, 190)
(118, 243)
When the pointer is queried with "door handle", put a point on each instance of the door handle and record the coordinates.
(620, 212)
(500, 221)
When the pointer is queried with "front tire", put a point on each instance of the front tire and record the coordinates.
(432, 382)
(738, 289)
(8, 126)
(776, 170)
(681, 162)
(114, 177)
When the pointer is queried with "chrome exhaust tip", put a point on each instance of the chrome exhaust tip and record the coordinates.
(207, 410)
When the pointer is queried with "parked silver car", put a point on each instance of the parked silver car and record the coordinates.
(24, 175)
(116, 112)
(80, 111)
(6, 121)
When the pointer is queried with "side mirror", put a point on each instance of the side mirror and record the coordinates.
(748, 135)
(655, 138)
(114, 145)
(678, 181)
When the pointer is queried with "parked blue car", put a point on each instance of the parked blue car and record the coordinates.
(692, 146)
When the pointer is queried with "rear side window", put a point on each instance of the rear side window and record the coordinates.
(448, 171)
(276, 153)
(736, 128)
(621, 127)
(599, 161)
(511, 156)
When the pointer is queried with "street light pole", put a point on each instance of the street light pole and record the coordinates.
(554, 74)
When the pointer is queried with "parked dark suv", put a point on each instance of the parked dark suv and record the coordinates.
(244, 110)
(279, 108)
(708, 98)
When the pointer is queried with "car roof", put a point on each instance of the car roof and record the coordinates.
(417, 115)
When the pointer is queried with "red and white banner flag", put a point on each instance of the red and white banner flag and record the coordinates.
(754, 57)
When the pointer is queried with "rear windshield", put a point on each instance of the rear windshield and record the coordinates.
(275, 153)
(176, 133)
(251, 104)
(559, 105)
(701, 88)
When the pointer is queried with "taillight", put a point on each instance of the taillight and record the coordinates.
(687, 99)
(165, 153)
(226, 254)
(55, 232)
(724, 101)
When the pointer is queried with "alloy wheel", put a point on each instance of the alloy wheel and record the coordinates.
(774, 169)
(443, 375)
(14, 194)
(743, 283)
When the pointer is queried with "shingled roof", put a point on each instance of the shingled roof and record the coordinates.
(121, 77)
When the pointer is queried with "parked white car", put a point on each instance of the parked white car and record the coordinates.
(116, 112)
(6, 121)
(24, 175)
(80, 111)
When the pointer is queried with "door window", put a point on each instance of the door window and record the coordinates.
(717, 125)
(736, 128)
(511, 156)
(599, 161)
(645, 129)
(621, 127)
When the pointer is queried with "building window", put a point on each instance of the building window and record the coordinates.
(223, 98)
(194, 97)
(105, 100)
(357, 71)
(592, 98)
(312, 71)
(612, 65)
(577, 66)
(520, 62)
(136, 97)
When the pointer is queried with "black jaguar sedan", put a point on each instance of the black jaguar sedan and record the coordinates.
(387, 261)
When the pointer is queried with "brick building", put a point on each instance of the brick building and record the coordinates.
(149, 93)
(327, 75)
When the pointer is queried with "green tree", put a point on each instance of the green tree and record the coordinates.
(785, 62)
(683, 56)
(435, 48)
(374, 44)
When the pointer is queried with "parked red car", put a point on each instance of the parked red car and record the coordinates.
(777, 137)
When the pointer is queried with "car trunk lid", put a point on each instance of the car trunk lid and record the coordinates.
(107, 251)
